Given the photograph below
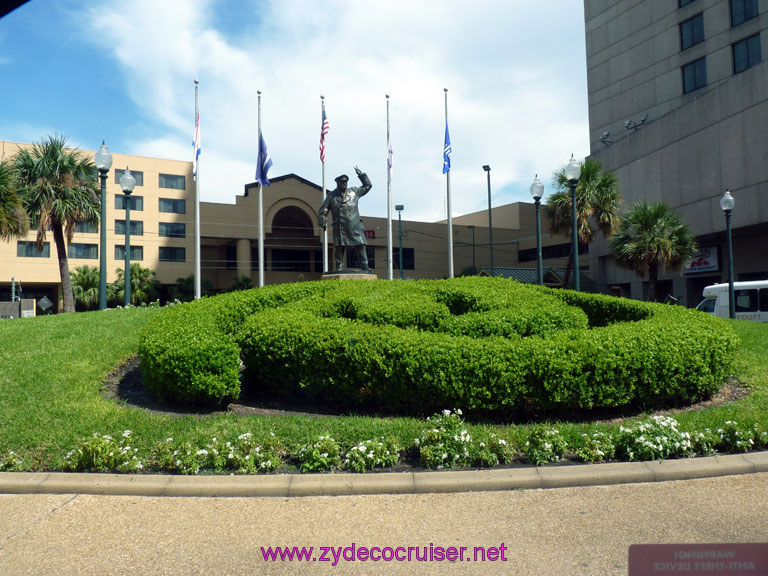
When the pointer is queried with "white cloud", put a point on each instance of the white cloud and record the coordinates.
(505, 63)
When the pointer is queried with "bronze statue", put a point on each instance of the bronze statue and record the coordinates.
(347, 224)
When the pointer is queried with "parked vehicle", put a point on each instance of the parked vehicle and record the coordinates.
(750, 298)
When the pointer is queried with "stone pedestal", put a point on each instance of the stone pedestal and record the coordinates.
(349, 275)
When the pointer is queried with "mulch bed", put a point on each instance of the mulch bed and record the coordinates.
(125, 385)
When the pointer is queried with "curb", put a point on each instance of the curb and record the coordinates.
(296, 485)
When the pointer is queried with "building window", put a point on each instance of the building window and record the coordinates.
(692, 31)
(173, 229)
(137, 252)
(682, 3)
(138, 175)
(171, 181)
(695, 75)
(87, 227)
(409, 258)
(746, 53)
(29, 250)
(743, 10)
(171, 254)
(85, 251)
(172, 206)
(137, 202)
(137, 227)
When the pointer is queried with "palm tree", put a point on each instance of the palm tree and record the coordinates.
(185, 288)
(58, 187)
(14, 222)
(143, 288)
(597, 206)
(652, 237)
(85, 287)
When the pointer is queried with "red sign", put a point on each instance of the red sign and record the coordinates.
(370, 234)
(710, 559)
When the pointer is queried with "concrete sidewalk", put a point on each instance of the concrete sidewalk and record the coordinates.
(289, 485)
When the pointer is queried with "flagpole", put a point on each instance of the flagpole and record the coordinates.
(261, 203)
(322, 198)
(389, 198)
(197, 201)
(448, 201)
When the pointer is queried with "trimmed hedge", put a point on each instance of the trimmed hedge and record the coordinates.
(486, 345)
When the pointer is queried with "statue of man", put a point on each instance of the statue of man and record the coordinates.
(347, 224)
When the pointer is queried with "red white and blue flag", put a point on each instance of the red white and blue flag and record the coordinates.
(323, 134)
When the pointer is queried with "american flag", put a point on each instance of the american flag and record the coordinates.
(323, 133)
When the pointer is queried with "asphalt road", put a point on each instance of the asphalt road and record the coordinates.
(563, 531)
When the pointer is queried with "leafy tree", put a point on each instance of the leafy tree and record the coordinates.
(85, 287)
(143, 288)
(241, 283)
(185, 288)
(58, 187)
(14, 222)
(597, 206)
(652, 237)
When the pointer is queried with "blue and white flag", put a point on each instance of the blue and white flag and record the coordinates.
(264, 164)
(447, 152)
(196, 144)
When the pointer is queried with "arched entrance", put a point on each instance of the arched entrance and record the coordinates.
(294, 247)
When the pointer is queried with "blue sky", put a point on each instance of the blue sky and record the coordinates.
(124, 72)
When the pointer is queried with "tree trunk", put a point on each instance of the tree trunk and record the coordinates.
(66, 282)
(568, 268)
(653, 278)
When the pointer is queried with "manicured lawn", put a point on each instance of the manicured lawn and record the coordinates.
(52, 368)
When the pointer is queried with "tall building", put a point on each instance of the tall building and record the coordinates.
(678, 108)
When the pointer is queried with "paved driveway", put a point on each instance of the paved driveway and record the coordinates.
(563, 531)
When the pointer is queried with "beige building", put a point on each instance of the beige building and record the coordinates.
(162, 236)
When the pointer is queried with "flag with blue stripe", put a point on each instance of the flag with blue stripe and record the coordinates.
(447, 151)
(196, 144)
(264, 164)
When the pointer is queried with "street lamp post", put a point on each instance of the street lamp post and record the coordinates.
(572, 173)
(487, 169)
(400, 208)
(537, 191)
(103, 161)
(127, 183)
(727, 203)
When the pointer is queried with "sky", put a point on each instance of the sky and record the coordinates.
(124, 72)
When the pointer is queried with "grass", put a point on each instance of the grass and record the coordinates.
(52, 369)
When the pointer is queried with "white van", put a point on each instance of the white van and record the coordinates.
(751, 300)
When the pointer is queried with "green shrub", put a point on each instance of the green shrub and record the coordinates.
(489, 345)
